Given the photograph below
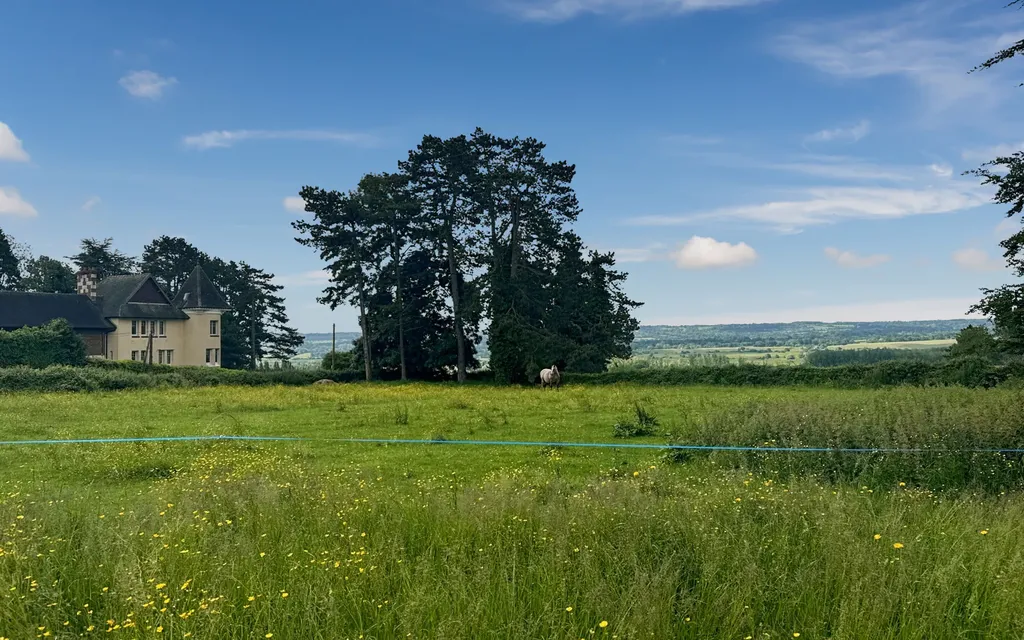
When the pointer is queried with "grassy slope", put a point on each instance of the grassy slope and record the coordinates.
(453, 542)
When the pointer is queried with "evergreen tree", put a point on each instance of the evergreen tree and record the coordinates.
(101, 257)
(170, 261)
(10, 265)
(47, 275)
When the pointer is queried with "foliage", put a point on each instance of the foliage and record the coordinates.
(48, 275)
(10, 265)
(794, 334)
(170, 261)
(101, 257)
(974, 341)
(724, 546)
(339, 361)
(840, 357)
(641, 424)
(55, 343)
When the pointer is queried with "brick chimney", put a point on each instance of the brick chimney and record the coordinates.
(88, 283)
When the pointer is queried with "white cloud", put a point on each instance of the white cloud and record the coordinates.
(851, 260)
(852, 134)
(223, 139)
(294, 204)
(306, 279)
(647, 254)
(704, 253)
(826, 205)
(1008, 227)
(91, 203)
(985, 154)
(11, 204)
(915, 42)
(941, 170)
(906, 310)
(561, 10)
(976, 260)
(146, 84)
(842, 168)
(10, 146)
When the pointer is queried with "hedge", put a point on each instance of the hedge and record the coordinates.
(50, 344)
(108, 376)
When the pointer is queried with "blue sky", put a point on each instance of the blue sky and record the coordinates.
(749, 160)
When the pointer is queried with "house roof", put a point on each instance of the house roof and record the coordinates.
(20, 309)
(117, 297)
(199, 292)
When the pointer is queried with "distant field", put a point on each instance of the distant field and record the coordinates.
(913, 344)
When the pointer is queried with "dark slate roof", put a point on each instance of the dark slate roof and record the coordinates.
(19, 309)
(199, 292)
(115, 293)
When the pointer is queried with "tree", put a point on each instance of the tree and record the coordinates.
(1005, 305)
(441, 176)
(339, 361)
(974, 341)
(171, 260)
(343, 232)
(101, 257)
(10, 264)
(47, 275)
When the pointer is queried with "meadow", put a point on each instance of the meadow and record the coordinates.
(322, 539)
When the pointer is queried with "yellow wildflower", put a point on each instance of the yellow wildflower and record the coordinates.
(284, 594)
(984, 532)
(878, 536)
(604, 623)
(161, 585)
(568, 608)
(897, 545)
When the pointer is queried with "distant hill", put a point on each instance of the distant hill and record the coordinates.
(800, 334)
(790, 334)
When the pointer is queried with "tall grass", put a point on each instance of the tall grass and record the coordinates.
(317, 540)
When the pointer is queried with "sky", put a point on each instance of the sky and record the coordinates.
(747, 160)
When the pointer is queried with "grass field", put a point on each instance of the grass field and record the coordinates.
(232, 540)
(913, 344)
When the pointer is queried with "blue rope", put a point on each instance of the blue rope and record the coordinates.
(506, 443)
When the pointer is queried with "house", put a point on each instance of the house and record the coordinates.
(125, 317)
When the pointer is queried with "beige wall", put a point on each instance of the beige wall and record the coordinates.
(198, 338)
(189, 339)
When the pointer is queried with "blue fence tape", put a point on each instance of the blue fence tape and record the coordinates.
(506, 443)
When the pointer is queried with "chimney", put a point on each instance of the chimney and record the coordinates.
(88, 283)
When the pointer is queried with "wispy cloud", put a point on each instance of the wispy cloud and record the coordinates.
(849, 134)
(646, 254)
(306, 279)
(984, 154)
(294, 204)
(843, 168)
(223, 139)
(915, 42)
(942, 170)
(10, 146)
(562, 10)
(91, 203)
(973, 259)
(12, 204)
(827, 205)
(1008, 227)
(146, 84)
(707, 253)
(851, 260)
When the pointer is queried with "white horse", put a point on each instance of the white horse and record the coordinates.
(550, 377)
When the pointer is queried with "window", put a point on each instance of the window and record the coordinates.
(142, 356)
(144, 324)
(163, 329)
(135, 355)
(209, 356)
(135, 327)
(216, 355)
(170, 356)
(213, 328)
(152, 327)
(160, 356)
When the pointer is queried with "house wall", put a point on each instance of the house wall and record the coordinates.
(95, 342)
(121, 343)
(198, 338)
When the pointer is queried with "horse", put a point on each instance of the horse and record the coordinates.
(550, 377)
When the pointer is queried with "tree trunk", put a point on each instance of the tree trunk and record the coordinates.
(396, 257)
(460, 335)
(366, 334)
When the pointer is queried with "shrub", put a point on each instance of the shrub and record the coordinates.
(52, 344)
(339, 361)
(643, 424)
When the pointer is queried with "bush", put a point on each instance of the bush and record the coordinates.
(643, 424)
(339, 361)
(52, 344)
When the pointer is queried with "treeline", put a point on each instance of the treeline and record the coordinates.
(256, 327)
(804, 334)
(840, 357)
(469, 232)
